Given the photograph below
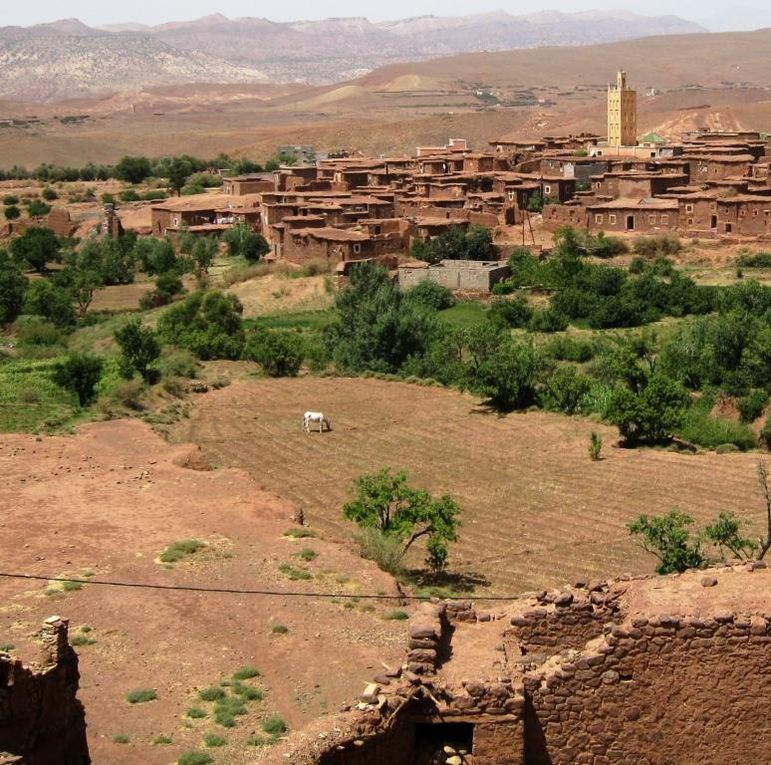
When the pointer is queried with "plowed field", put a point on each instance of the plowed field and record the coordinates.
(537, 510)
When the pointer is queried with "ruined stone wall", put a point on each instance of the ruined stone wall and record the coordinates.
(658, 690)
(563, 620)
(40, 716)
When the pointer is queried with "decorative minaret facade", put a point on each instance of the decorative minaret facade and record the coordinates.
(622, 113)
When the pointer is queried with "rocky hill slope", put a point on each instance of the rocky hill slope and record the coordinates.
(43, 67)
(67, 58)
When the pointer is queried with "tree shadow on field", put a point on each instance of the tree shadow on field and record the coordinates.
(466, 581)
(488, 409)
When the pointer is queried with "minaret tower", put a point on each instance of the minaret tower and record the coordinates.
(622, 113)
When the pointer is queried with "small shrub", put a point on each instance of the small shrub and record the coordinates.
(247, 692)
(570, 349)
(727, 449)
(307, 554)
(230, 705)
(129, 195)
(274, 725)
(72, 586)
(141, 696)
(176, 362)
(179, 550)
(224, 718)
(294, 573)
(162, 740)
(212, 739)
(196, 713)
(279, 629)
(386, 550)
(751, 406)
(397, 616)
(260, 741)
(710, 432)
(211, 694)
(299, 533)
(431, 295)
(658, 245)
(548, 320)
(80, 640)
(128, 394)
(754, 260)
(246, 673)
(194, 758)
(121, 738)
(595, 446)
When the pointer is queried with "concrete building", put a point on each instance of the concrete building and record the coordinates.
(622, 113)
(467, 275)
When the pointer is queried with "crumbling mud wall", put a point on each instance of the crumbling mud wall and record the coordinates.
(564, 620)
(598, 674)
(41, 718)
(657, 690)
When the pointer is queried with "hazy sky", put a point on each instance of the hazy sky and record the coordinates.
(153, 12)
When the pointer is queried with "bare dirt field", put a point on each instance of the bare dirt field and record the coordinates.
(103, 504)
(537, 510)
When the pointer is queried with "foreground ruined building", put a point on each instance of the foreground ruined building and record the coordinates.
(645, 671)
(41, 720)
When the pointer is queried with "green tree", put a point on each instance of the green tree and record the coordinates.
(650, 415)
(203, 252)
(37, 208)
(133, 169)
(243, 242)
(457, 244)
(13, 287)
(36, 247)
(376, 326)
(178, 171)
(12, 212)
(279, 353)
(52, 302)
(208, 323)
(384, 501)
(505, 372)
(668, 538)
(79, 373)
(139, 349)
(725, 532)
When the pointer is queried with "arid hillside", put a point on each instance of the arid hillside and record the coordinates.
(737, 58)
(480, 96)
(67, 58)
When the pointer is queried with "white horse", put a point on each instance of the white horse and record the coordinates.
(313, 418)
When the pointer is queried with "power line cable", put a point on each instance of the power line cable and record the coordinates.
(236, 591)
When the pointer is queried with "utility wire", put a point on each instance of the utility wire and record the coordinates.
(235, 591)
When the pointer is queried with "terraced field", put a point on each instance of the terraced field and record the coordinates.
(537, 510)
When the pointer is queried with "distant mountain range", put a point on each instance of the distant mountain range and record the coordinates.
(67, 58)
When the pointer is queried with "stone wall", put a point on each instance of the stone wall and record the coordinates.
(657, 690)
(563, 620)
(40, 717)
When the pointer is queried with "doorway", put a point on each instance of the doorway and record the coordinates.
(630, 222)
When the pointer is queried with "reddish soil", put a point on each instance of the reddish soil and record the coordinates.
(107, 501)
(537, 510)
